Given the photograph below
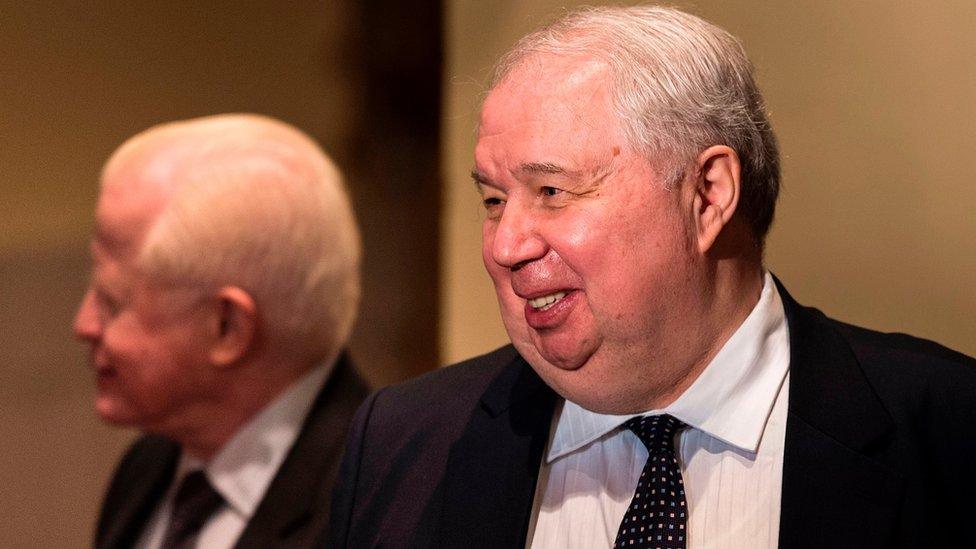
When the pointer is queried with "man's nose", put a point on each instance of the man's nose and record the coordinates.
(517, 239)
(87, 325)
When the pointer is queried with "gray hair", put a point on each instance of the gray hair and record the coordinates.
(679, 85)
(254, 203)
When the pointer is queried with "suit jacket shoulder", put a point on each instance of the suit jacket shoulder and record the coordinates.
(295, 510)
(464, 439)
(437, 398)
(879, 439)
(913, 377)
(913, 356)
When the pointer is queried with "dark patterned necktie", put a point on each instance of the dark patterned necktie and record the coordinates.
(195, 501)
(657, 514)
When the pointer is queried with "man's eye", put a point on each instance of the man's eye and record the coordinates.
(489, 202)
(551, 191)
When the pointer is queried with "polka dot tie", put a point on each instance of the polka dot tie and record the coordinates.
(657, 514)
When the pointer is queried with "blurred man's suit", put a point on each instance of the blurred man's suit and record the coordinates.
(298, 499)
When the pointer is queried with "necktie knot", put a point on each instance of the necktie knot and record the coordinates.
(656, 432)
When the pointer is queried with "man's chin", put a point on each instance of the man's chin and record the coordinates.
(581, 381)
(547, 357)
(563, 353)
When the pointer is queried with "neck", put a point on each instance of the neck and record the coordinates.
(232, 406)
(730, 296)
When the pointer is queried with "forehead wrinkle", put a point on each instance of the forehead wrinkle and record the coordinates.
(598, 170)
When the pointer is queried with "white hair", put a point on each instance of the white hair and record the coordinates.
(679, 85)
(255, 203)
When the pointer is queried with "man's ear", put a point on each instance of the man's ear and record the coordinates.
(716, 193)
(237, 325)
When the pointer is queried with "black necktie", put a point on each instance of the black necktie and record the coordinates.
(657, 514)
(195, 501)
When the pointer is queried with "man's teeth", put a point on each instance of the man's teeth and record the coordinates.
(546, 301)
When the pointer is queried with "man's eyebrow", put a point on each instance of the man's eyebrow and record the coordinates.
(478, 178)
(542, 167)
(548, 168)
(530, 168)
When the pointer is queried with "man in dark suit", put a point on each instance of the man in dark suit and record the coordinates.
(224, 288)
(662, 389)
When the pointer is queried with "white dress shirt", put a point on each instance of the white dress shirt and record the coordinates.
(731, 454)
(242, 470)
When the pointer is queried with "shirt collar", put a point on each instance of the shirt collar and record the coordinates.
(732, 398)
(243, 469)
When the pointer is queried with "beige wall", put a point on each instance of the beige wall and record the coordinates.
(873, 103)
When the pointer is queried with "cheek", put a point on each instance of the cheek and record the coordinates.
(487, 237)
(625, 270)
(579, 234)
(592, 240)
(510, 304)
(487, 242)
(486, 254)
(135, 352)
(499, 275)
(122, 343)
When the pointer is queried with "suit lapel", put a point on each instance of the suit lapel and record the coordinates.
(834, 493)
(298, 499)
(492, 469)
(135, 498)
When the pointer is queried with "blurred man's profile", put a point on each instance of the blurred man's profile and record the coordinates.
(662, 389)
(224, 287)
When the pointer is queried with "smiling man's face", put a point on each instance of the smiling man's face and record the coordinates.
(591, 256)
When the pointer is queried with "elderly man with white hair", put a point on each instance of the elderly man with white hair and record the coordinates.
(224, 287)
(662, 389)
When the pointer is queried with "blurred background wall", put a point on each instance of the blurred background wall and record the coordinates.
(871, 102)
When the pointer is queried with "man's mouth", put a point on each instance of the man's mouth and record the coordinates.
(550, 310)
(103, 368)
(546, 302)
